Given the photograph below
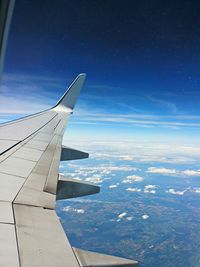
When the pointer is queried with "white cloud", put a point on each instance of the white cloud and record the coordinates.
(125, 181)
(113, 186)
(145, 217)
(166, 171)
(122, 215)
(148, 191)
(163, 171)
(77, 178)
(66, 209)
(191, 172)
(132, 178)
(135, 178)
(104, 168)
(133, 189)
(70, 209)
(196, 190)
(95, 180)
(181, 151)
(79, 210)
(150, 186)
(139, 120)
(127, 157)
(174, 192)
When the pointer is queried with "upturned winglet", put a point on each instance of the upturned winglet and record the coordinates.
(68, 100)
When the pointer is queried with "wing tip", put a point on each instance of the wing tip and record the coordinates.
(68, 100)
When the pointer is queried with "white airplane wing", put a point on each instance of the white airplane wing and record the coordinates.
(30, 153)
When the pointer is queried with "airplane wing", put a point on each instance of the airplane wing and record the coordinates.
(30, 153)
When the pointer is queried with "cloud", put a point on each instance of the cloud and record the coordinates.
(166, 171)
(127, 157)
(113, 186)
(95, 180)
(95, 174)
(150, 189)
(180, 173)
(138, 120)
(103, 168)
(145, 217)
(174, 192)
(130, 218)
(191, 172)
(196, 190)
(131, 189)
(41, 93)
(120, 168)
(70, 209)
(163, 171)
(150, 186)
(122, 215)
(181, 151)
(132, 178)
(147, 191)
(79, 210)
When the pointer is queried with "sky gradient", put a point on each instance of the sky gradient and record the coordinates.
(142, 61)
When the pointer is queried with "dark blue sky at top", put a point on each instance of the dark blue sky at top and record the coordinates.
(145, 54)
(132, 39)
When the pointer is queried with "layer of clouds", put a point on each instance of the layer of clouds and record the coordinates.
(140, 151)
(191, 172)
(161, 170)
(167, 171)
(96, 174)
(42, 92)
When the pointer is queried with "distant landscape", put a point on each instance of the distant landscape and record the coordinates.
(148, 208)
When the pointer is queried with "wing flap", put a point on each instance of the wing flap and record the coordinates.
(41, 239)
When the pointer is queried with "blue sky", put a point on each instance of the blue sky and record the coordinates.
(142, 61)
